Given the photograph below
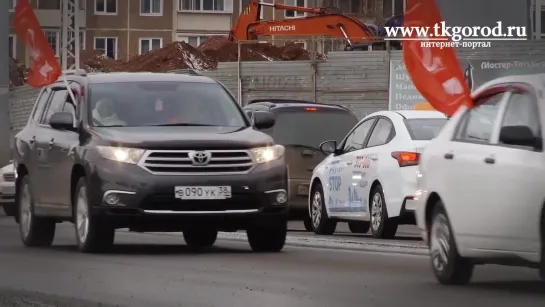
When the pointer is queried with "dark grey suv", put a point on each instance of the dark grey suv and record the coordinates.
(148, 152)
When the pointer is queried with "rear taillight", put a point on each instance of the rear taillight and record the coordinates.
(406, 158)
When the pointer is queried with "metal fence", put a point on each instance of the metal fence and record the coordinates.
(358, 80)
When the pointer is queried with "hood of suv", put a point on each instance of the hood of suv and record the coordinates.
(202, 137)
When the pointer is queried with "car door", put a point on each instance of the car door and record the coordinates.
(29, 134)
(468, 182)
(342, 169)
(368, 162)
(516, 174)
(49, 157)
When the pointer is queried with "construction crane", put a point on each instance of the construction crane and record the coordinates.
(327, 21)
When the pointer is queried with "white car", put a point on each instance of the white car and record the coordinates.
(367, 179)
(481, 184)
(7, 189)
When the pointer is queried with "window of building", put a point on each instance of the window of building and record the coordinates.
(294, 14)
(194, 40)
(149, 44)
(105, 7)
(53, 38)
(151, 7)
(12, 46)
(393, 7)
(202, 5)
(107, 45)
(12, 4)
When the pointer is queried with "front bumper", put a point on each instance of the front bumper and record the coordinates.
(7, 192)
(147, 202)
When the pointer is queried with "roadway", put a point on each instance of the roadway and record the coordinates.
(158, 270)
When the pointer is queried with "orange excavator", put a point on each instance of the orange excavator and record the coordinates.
(329, 22)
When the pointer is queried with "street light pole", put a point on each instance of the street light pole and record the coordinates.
(70, 34)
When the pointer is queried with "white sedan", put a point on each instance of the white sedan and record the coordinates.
(368, 177)
(7, 189)
(481, 187)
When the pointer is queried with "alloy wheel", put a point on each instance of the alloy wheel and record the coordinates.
(376, 211)
(440, 243)
(82, 215)
(316, 209)
(25, 210)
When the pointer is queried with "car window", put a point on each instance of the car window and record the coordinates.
(56, 104)
(424, 129)
(381, 134)
(157, 103)
(310, 128)
(357, 137)
(69, 107)
(41, 103)
(479, 121)
(522, 111)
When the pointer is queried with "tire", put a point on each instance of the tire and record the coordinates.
(200, 238)
(10, 210)
(382, 227)
(34, 231)
(308, 223)
(359, 227)
(93, 234)
(268, 237)
(448, 266)
(321, 223)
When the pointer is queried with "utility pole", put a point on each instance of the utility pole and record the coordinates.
(5, 127)
(70, 34)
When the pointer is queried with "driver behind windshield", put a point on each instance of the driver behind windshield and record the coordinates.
(104, 113)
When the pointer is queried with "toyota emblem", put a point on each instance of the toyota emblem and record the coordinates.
(200, 157)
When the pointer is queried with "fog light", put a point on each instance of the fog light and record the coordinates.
(281, 197)
(111, 199)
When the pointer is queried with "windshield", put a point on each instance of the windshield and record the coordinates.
(310, 128)
(424, 129)
(138, 104)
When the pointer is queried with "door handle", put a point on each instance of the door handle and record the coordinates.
(489, 160)
(449, 156)
(32, 140)
(51, 142)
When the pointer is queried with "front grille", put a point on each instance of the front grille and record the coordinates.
(10, 177)
(169, 203)
(174, 162)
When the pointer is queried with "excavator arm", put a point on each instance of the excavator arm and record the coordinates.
(324, 22)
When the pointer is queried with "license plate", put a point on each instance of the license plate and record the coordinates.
(302, 190)
(204, 192)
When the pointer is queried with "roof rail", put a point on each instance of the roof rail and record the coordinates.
(74, 72)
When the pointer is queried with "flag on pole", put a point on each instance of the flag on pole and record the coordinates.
(45, 69)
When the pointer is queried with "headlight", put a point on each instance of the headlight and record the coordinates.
(266, 154)
(121, 154)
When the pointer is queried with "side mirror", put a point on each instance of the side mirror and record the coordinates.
(263, 120)
(329, 147)
(62, 121)
(519, 136)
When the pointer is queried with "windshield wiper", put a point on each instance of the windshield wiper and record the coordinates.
(301, 146)
(182, 125)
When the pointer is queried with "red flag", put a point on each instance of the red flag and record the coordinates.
(435, 70)
(45, 68)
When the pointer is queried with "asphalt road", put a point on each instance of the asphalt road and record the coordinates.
(158, 270)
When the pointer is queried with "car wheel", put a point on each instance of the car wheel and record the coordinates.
(382, 227)
(359, 227)
(93, 234)
(307, 221)
(448, 266)
(268, 237)
(10, 210)
(200, 238)
(35, 231)
(321, 223)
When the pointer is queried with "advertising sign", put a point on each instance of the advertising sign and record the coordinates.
(404, 96)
